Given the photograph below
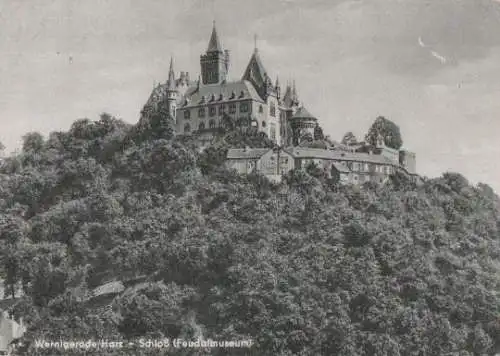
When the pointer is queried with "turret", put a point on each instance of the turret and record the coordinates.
(277, 87)
(303, 125)
(171, 93)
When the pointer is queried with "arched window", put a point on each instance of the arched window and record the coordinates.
(232, 108)
(201, 126)
(187, 128)
(201, 112)
(263, 124)
(261, 109)
(211, 124)
(187, 114)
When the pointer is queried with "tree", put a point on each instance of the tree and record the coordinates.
(318, 133)
(349, 139)
(33, 141)
(388, 130)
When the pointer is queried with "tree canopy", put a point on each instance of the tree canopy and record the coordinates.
(388, 130)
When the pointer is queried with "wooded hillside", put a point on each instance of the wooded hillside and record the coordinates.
(301, 268)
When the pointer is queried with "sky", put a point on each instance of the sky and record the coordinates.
(432, 67)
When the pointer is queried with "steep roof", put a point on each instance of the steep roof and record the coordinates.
(195, 94)
(302, 113)
(214, 44)
(255, 71)
(246, 153)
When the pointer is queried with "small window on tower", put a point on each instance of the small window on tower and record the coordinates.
(201, 112)
(187, 114)
(273, 132)
(272, 110)
(244, 107)
(263, 124)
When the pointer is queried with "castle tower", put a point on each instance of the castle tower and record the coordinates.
(303, 125)
(171, 92)
(215, 63)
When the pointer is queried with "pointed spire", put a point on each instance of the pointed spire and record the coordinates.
(277, 85)
(295, 97)
(171, 75)
(214, 45)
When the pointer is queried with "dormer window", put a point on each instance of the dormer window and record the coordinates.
(201, 112)
(242, 94)
(221, 97)
(202, 99)
(212, 111)
(233, 95)
(212, 98)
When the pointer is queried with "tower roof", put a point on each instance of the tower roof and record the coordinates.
(214, 45)
(171, 75)
(302, 113)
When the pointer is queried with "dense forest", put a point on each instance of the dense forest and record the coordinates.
(304, 267)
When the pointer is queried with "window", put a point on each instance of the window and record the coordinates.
(187, 128)
(232, 108)
(222, 109)
(187, 114)
(201, 126)
(201, 112)
(261, 109)
(244, 107)
(263, 124)
(211, 124)
(272, 110)
(212, 111)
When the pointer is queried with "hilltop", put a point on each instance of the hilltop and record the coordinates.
(120, 232)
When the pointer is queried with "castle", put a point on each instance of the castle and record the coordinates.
(202, 107)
